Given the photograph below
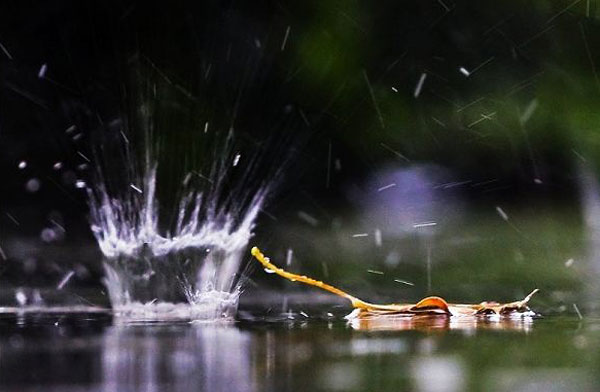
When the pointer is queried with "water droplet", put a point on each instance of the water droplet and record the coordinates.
(569, 262)
(33, 185)
(21, 297)
(42, 71)
(48, 235)
(236, 159)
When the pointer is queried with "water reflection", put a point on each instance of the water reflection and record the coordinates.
(438, 374)
(88, 352)
(432, 323)
(176, 358)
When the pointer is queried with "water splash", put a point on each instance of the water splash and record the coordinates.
(173, 200)
(189, 270)
(128, 227)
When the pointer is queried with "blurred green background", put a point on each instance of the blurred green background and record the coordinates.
(449, 144)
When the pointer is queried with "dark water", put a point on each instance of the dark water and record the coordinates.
(318, 351)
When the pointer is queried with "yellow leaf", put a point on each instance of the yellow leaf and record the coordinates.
(429, 305)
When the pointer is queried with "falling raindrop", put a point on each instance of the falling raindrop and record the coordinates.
(33, 185)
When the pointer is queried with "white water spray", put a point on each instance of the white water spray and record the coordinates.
(188, 272)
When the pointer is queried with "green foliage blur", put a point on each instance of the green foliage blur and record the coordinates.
(525, 106)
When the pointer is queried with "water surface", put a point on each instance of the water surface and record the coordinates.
(314, 350)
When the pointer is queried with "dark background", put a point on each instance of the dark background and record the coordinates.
(334, 106)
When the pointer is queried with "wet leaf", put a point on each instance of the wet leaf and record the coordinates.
(430, 305)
